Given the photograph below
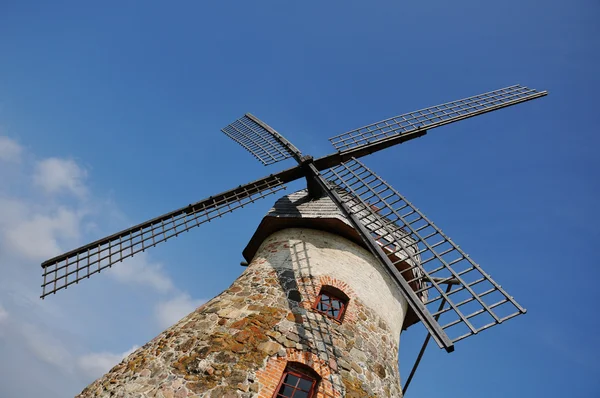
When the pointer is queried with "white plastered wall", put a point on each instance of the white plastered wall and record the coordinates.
(320, 253)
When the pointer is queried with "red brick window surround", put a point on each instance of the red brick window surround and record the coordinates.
(331, 302)
(297, 381)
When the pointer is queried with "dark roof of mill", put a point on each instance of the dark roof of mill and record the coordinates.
(299, 210)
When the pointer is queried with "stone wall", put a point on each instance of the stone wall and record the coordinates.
(238, 344)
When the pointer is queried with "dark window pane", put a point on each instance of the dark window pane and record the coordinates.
(291, 380)
(331, 306)
(301, 394)
(286, 391)
(305, 384)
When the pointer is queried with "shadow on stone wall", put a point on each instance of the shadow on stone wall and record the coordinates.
(307, 330)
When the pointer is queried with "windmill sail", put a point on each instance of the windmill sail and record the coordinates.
(71, 267)
(435, 116)
(425, 255)
(261, 140)
(419, 256)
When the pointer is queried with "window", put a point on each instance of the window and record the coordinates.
(332, 302)
(298, 381)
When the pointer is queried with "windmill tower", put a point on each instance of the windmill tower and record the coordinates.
(335, 272)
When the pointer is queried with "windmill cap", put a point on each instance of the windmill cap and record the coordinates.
(299, 210)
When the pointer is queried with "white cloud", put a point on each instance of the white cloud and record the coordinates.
(12, 211)
(45, 346)
(96, 364)
(67, 341)
(138, 270)
(10, 150)
(55, 175)
(3, 314)
(171, 311)
(39, 236)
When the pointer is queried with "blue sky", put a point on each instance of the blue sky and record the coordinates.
(110, 115)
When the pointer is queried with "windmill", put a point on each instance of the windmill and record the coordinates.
(435, 277)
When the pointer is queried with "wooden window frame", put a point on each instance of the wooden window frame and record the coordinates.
(304, 375)
(335, 294)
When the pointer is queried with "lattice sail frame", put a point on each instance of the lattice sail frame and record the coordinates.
(69, 268)
(435, 116)
(386, 238)
(268, 146)
(258, 139)
(426, 255)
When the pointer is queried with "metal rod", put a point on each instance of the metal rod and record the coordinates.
(446, 281)
(425, 343)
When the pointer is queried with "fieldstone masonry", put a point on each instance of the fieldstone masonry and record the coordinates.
(238, 344)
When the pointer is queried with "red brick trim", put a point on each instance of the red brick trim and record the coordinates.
(311, 287)
(269, 377)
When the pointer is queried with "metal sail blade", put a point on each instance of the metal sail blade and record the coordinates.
(71, 267)
(435, 116)
(261, 140)
(396, 273)
(427, 257)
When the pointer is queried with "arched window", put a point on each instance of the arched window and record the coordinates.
(332, 302)
(297, 381)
